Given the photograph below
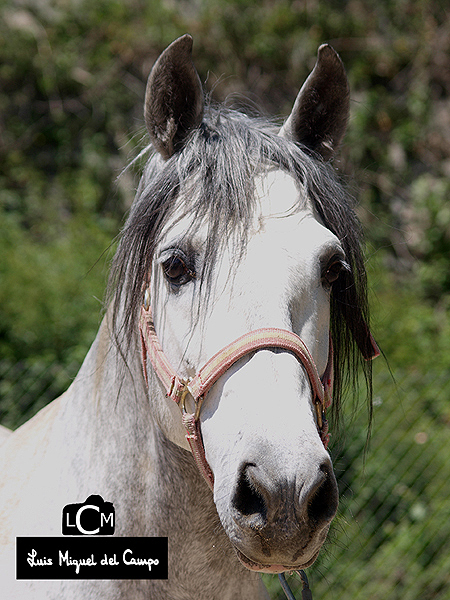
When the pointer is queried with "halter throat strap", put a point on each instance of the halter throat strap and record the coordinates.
(178, 388)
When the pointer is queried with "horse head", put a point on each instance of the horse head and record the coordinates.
(240, 226)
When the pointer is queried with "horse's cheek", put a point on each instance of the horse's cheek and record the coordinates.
(167, 418)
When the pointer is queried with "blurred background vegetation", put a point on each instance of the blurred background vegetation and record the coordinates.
(72, 81)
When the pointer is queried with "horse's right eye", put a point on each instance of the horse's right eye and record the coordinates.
(176, 271)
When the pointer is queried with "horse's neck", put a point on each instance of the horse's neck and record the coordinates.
(118, 441)
(154, 485)
(100, 438)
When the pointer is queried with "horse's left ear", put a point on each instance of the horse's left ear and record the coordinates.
(173, 98)
(320, 114)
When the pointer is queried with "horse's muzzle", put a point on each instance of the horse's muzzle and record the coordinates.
(280, 525)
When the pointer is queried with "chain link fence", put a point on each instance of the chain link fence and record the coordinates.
(28, 385)
(391, 538)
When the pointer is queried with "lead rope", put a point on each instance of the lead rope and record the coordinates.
(306, 592)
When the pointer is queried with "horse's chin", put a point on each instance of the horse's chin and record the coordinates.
(272, 569)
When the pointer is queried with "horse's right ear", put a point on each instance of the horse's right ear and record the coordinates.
(174, 98)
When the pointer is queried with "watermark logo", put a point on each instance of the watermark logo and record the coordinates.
(93, 517)
(85, 551)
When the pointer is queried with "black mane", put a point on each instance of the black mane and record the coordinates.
(218, 163)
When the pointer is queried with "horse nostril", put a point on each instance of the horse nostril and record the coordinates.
(256, 508)
(323, 502)
(247, 501)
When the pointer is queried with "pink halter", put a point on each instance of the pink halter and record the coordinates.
(178, 388)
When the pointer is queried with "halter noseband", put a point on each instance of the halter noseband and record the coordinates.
(178, 388)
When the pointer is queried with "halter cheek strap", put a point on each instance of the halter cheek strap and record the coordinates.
(178, 388)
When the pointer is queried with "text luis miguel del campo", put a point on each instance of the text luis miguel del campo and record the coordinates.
(89, 556)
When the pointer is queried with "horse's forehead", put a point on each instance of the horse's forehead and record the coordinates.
(278, 194)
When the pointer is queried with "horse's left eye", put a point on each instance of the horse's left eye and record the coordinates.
(333, 271)
(177, 272)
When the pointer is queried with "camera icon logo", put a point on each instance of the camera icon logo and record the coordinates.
(92, 517)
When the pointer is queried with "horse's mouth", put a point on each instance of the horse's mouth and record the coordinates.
(272, 569)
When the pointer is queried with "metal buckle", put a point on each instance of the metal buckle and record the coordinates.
(180, 397)
(147, 299)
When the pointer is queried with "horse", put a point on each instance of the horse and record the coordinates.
(237, 294)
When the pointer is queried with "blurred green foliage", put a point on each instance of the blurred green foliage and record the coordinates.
(72, 81)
